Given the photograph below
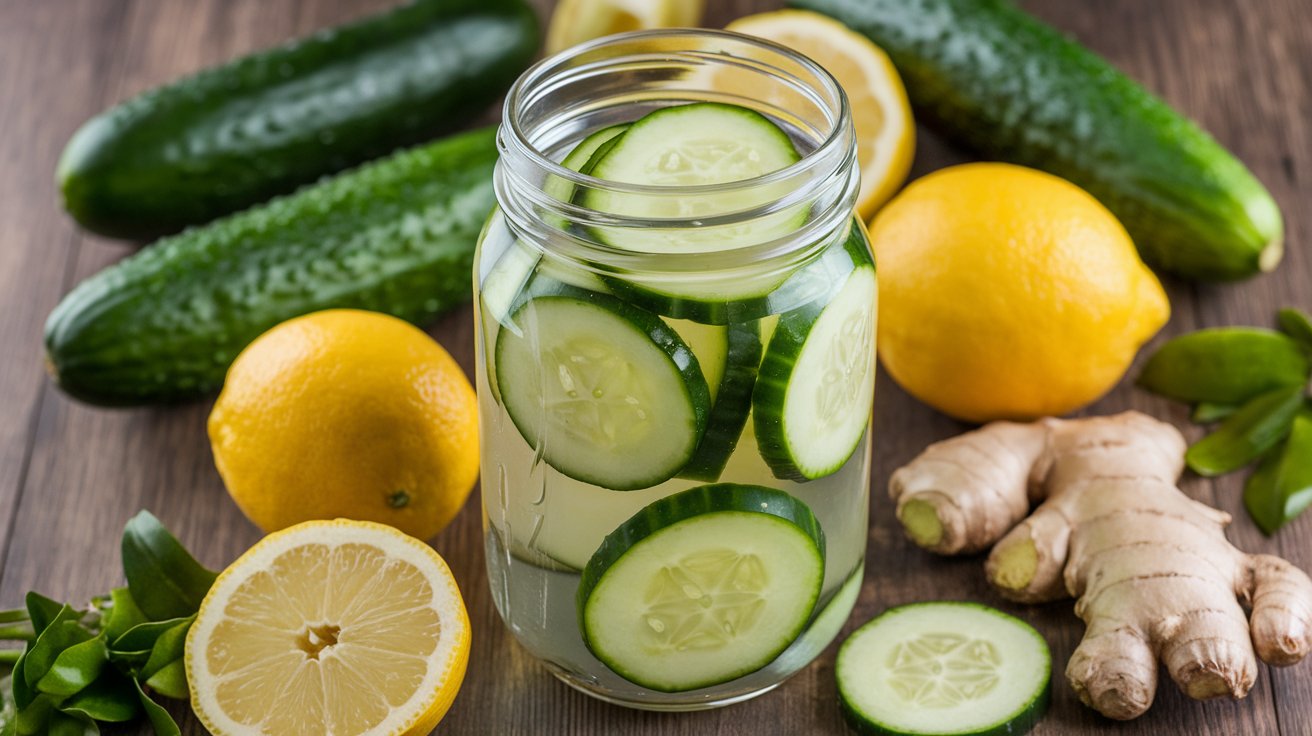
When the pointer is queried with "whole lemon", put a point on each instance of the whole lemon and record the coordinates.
(351, 414)
(1008, 293)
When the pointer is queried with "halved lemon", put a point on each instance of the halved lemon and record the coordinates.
(885, 130)
(329, 627)
(576, 21)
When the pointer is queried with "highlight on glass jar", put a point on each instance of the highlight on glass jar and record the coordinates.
(676, 320)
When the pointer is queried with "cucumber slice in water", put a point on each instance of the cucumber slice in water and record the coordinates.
(739, 350)
(577, 160)
(606, 392)
(944, 668)
(696, 144)
(816, 388)
(703, 586)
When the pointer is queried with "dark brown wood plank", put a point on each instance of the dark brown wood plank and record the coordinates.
(1243, 72)
(47, 91)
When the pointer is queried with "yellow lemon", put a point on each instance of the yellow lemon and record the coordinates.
(346, 413)
(1008, 293)
(576, 21)
(881, 114)
(341, 627)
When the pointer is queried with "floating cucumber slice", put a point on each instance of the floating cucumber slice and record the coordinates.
(740, 348)
(689, 145)
(562, 189)
(605, 391)
(944, 668)
(816, 387)
(702, 587)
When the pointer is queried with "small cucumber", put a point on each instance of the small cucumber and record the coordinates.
(262, 125)
(394, 236)
(998, 80)
(944, 668)
(703, 586)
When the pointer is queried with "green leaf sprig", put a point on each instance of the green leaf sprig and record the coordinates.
(80, 667)
(1255, 382)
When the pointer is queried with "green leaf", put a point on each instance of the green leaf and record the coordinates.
(1226, 365)
(1297, 324)
(111, 699)
(167, 648)
(41, 611)
(75, 668)
(155, 713)
(1257, 427)
(142, 637)
(63, 724)
(1281, 487)
(123, 614)
(63, 632)
(23, 694)
(1260, 495)
(171, 680)
(35, 718)
(165, 580)
(1206, 413)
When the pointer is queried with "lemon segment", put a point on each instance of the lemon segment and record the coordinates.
(881, 112)
(329, 628)
(576, 21)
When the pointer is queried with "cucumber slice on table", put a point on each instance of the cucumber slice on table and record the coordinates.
(697, 144)
(606, 392)
(703, 586)
(815, 391)
(944, 668)
(730, 357)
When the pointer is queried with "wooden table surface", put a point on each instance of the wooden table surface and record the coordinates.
(70, 475)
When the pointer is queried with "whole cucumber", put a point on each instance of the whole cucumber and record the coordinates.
(394, 236)
(262, 125)
(1001, 82)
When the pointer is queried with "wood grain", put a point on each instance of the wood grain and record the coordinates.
(70, 476)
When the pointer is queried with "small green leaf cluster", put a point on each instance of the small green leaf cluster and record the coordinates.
(101, 664)
(1255, 382)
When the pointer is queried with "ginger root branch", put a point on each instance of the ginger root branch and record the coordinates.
(1154, 577)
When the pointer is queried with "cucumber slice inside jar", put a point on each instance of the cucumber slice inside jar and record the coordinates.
(703, 586)
(732, 378)
(944, 668)
(696, 144)
(816, 388)
(577, 160)
(607, 392)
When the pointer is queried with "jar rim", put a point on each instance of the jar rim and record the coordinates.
(824, 179)
(547, 67)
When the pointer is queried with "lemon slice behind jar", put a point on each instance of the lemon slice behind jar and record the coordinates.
(329, 627)
(881, 113)
(576, 21)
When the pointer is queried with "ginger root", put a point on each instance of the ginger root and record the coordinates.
(1151, 569)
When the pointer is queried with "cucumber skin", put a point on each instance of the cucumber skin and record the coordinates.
(394, 236)
(235, 135)
(733, 403)
(777, 367)
(685, 505)
(998, 80)
(1021, 723)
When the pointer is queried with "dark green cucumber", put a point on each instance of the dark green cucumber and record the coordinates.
(996, 79)
(394, 236)
(262, 125)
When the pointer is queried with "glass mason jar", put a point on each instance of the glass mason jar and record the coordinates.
(674, 389)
